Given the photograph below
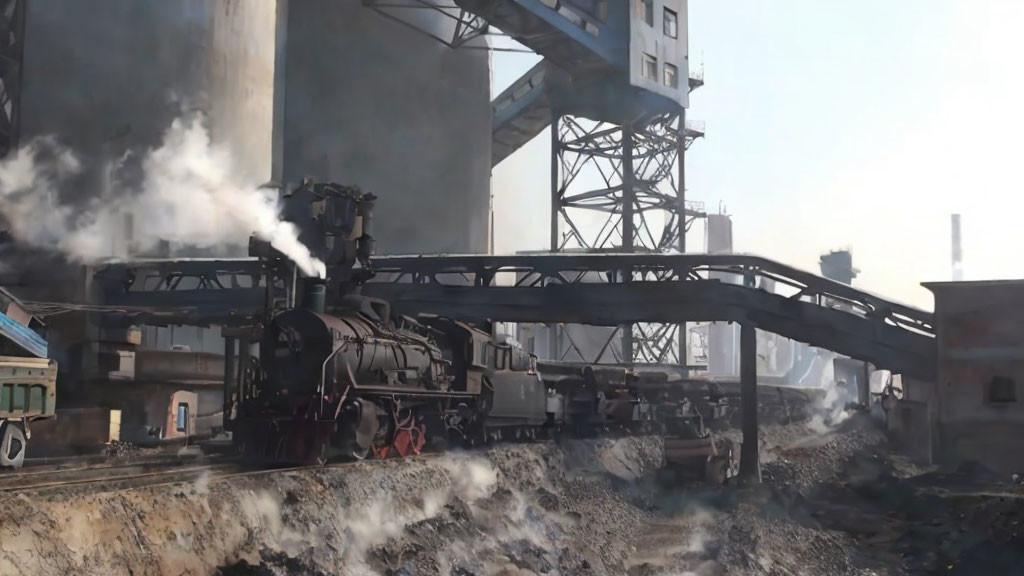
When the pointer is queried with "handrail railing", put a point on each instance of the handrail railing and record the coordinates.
(567, 268)
(323, 371)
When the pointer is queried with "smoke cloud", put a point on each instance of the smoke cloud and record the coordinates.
(188, 194)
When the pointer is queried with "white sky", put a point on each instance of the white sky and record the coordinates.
(840, 124)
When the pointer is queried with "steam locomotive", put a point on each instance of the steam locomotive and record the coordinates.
(338, 375)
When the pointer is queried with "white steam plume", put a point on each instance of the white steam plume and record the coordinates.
(189, 195)
(29, 199)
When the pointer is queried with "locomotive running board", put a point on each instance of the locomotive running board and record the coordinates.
(386, 390)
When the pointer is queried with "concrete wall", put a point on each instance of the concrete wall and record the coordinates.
(74, 431)
(979, 337)
(909, 425)
(369, 102)
(914, 423)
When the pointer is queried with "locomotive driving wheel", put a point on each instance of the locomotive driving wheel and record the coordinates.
(401, 433)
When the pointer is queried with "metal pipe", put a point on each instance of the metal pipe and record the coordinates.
(295, 282)
(244, 353)
(555, 196)
(323, 371)
(628, 227)
(230, 385)
(628, 188)
(864, 390)
(684, 351)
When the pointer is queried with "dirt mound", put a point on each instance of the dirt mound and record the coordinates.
(833, 504)
(517, 509)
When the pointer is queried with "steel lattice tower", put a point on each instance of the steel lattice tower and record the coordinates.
(640, 198)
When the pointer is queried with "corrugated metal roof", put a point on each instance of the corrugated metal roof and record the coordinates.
(18, 333)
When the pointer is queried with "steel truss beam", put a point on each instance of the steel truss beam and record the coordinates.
(638, 197)
(465, 26)
(559, 288)
(12, 36)
(541, 270)
(181, 282)
(194, 292)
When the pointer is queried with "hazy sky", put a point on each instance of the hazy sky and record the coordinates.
(840, 124)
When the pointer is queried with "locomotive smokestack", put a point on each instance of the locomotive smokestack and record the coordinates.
(314, 295)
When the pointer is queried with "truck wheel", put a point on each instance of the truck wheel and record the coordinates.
(12, 446)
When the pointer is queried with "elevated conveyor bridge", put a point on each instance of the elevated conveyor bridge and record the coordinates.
(665, 288)
(557, 288)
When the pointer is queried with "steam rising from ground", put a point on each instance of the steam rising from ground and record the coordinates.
(364, 526)
(830, 411)
(189, 194)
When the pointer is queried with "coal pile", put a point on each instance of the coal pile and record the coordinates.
(117, 450)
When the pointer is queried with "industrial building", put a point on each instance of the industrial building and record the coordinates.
(973, 410)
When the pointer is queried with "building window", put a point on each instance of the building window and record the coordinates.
(671, 75)
(181, 423)
(671, 24)
(1002, 390)
(650, 67)
(646, 8)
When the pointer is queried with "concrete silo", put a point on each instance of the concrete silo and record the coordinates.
(110, 76)
(370, 102)
(107, 76)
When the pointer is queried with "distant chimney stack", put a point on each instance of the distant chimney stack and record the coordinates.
(838, 266)
(958, 270)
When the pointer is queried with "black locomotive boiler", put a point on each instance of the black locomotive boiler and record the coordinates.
(346, 384)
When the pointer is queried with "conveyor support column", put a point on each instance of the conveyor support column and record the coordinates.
(750, 464)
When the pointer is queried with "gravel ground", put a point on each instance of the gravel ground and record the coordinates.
(831, 504)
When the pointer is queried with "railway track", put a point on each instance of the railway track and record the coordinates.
(112, 478)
